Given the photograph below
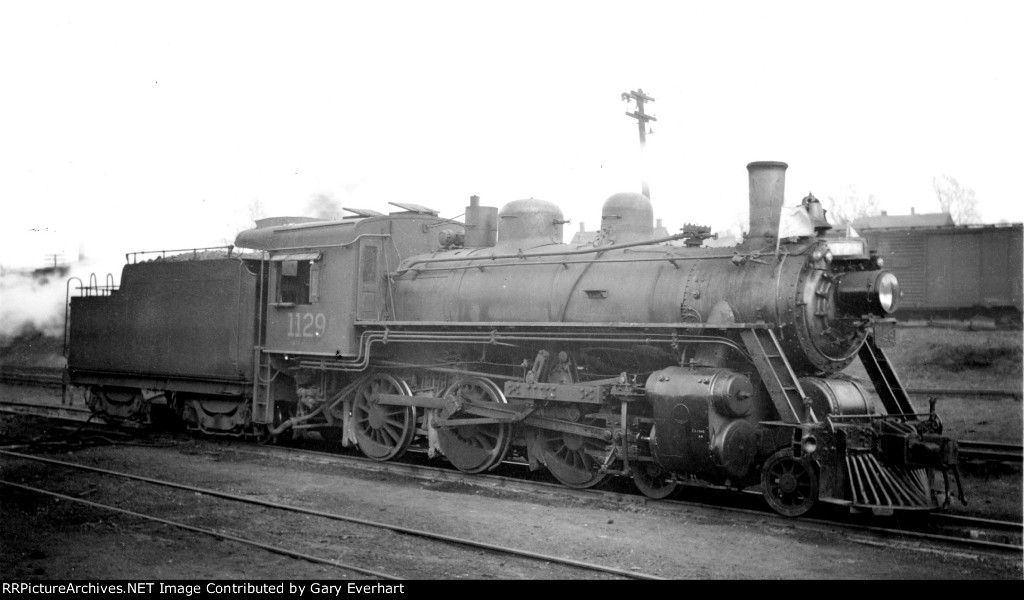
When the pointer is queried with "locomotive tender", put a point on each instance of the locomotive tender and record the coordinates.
(657, 359)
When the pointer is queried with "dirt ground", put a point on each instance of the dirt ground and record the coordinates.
(51, 539)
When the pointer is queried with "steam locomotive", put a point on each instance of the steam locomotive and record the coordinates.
(654, 358)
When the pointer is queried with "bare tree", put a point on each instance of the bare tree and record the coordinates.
(851, 206)
(957, 200)
(256, 210)
(241, 219)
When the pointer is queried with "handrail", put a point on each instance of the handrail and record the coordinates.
(67, 310)
(597, 249)
(132, 257)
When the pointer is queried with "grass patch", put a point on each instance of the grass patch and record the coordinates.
(931, 357)
(1002, 359)
(937, 358)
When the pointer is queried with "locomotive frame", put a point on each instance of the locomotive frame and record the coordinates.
(629, 356)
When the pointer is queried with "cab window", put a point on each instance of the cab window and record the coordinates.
(298, 280)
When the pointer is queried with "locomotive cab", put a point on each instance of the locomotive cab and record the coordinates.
(325, 277)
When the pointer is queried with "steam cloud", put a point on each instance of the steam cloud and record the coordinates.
(36, 302)
(323, 206)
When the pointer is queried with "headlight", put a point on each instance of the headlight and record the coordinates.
(888, 291)
(868, 292)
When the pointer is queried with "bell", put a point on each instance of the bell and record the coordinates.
(816, 212)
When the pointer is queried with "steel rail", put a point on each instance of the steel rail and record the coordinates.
(965, 521)
(964, 392)
(396, 528)
(203, 530)
(973, 450)
(41, 375)
(55, 411)
(934, 537)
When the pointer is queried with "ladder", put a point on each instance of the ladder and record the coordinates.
(888, 386)
(778, 376)
(262, 406)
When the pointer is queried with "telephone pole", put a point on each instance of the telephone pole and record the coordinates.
(641, 121)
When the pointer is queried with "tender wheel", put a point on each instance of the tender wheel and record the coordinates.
(475, 448)
(570, 458)
(789, 485)
(117, 405)
(383, 431)
(652, 480)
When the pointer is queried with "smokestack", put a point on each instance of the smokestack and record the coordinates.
(767, 188)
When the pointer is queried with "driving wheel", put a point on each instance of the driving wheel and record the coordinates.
(383, 431)
(571, 458)
(473, 448)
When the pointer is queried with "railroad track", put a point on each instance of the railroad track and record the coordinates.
(976, 534)
(54, 411)
(936, 533)
(965, 393)
(45, 376)
(969, 450)
(474, 546)
(979, 451)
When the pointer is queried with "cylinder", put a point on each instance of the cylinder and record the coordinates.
(767, 189)
(840, 397)
(693, 435)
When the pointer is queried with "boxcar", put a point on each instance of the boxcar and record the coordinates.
(959, 271)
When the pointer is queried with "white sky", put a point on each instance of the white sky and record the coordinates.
(131, 126)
